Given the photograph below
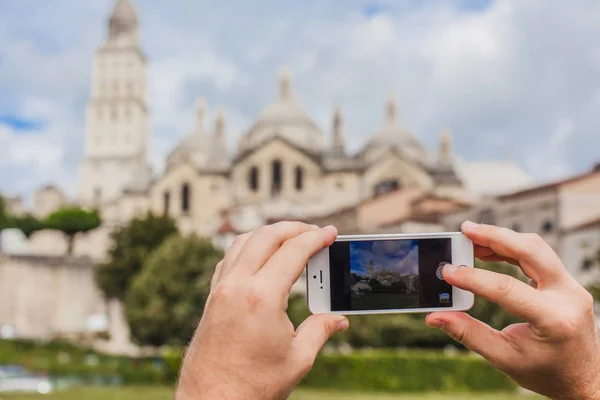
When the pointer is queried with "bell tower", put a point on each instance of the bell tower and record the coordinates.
(116, 134)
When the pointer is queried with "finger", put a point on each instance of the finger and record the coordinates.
(511, 294)
(535, 257)
(487, 254)
(216, 275)
(233, 252)
(264, 242)
(285, 266)
(315, 331)
(475, 335)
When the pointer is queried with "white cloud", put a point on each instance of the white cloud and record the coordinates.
(520, 76)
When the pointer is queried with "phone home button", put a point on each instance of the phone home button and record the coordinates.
(438, 273)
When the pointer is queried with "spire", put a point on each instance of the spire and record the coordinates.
(201, 106)
(391, 110)
(220, 141)
(285, 83)
(445, 155)
(338, 132)
(124, 20)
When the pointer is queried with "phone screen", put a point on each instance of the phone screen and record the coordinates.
(389, 274)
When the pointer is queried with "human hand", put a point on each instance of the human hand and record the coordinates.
(556, 351)
(245, 346)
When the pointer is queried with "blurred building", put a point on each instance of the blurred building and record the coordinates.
(48, 199)
(284, 165)
(14, 205)
(565, 213)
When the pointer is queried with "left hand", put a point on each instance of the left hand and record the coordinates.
(245, 346)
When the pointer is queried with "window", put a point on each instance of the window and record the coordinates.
(584, 245)
(166, 202)
(214, 186)
(587, 264)
(253, 179)
(97, 194)
(277, 178)
(129, 88)
(114, 114)
(299, 178)
(340, 184)
(386, 186)
(547, 226)
(185, 198)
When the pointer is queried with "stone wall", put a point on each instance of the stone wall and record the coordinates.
(47, 297)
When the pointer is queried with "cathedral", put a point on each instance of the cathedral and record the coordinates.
(284, 166)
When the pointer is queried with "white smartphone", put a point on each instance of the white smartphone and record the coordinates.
(389, 273)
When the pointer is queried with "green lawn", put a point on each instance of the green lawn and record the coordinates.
(151, 393)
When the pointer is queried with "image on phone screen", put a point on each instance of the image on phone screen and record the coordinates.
(389, 274)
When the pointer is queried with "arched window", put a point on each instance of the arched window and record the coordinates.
(547, 226)
(253, 179)
(166, 202)
(277, 178)
(387, 186)
(185, 198)
(299, 178)
(97, 194)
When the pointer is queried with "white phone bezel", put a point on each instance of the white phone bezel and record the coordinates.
(318, 290)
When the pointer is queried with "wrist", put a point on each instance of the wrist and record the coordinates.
(208, 388)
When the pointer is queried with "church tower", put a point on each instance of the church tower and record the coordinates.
(116, 136)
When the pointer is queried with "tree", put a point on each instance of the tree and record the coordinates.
(130, 247)
(166, 299)
(594, 287)
(27, 223)
(4, 218)
(71, 221)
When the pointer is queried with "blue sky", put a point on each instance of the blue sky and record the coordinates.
(506, 77)
(399, 255)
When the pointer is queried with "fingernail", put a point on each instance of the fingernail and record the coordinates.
(436, 323)
(331, 228)
(343, 325)
(469, 226)
(450, 269)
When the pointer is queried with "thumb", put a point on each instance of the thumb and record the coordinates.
(473, 334)
(316, 330)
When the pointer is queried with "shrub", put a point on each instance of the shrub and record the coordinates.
(406, 372)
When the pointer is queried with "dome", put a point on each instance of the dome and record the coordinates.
(203, 150)
(394, 134)
(285, 118)
(194, 148)
(124, 18)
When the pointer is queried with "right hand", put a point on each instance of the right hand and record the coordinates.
(556, 351)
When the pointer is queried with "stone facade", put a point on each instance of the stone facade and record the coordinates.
(555, 211)
(48, 199)
(580, 250)
(116, 137)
